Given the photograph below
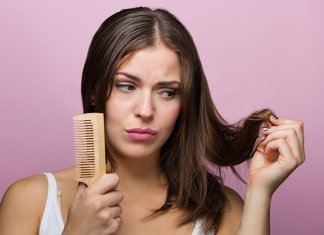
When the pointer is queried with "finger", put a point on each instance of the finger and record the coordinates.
(298, 126)
(114, 226)
(284, 153)
(287, 127)
(292, 130)
(116, 211)
(112, 198)
(290, 136)
(80, 188)
(105, 183)
(111, 212)
(118, 220)
(280, 121)
(107, 200)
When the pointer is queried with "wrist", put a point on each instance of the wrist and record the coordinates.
(264, 190)
(256, 212)
(258, 195)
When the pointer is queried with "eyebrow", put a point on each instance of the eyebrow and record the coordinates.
(137, 79)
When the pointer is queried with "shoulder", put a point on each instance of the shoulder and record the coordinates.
(27, 189)
(234, 199)
(232, 212)
(23, 203)
(65, 176)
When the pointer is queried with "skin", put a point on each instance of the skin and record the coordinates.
(119, 203)
(277, 157)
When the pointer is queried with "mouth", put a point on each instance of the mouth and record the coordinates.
(141, 134)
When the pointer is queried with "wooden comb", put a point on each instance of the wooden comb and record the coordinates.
(89, 147)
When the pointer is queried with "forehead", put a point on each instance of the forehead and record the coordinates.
(152, 61)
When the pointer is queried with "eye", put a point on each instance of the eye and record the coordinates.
(168, 94)
(125, 87)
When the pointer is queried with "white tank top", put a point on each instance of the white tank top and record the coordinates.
(198, 229)
(52, 221)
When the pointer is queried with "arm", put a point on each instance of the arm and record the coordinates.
(22, 206)
(256, 214)
(281, 152)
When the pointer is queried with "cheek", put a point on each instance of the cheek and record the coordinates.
(172, 116)
(114, 110)
(113, 113)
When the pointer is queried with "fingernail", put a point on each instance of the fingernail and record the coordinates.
(273, 116)
(265, 128)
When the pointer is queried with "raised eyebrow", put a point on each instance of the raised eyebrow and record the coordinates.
(137, 79)
(168, 83)
(130, 76)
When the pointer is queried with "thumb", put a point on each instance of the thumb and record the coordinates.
(271, 152)
(81, 188)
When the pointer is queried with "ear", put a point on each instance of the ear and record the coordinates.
(92, 100)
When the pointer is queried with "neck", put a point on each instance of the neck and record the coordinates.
(139, 173)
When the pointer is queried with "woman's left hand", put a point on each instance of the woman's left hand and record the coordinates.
(279, 154)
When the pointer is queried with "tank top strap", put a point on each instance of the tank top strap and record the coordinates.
(52, 212)
(52, 186)
(198, 228)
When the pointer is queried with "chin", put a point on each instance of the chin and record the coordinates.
(135, 151)
(140, 152)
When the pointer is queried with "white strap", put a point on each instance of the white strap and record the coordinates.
(198, 228)
(51, 205)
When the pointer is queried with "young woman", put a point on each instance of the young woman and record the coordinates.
(162, 131)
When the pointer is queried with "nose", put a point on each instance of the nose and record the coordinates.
(145, 106)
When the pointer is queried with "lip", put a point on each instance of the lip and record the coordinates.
(141, 134)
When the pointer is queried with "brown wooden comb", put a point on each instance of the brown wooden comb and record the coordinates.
(89, 147)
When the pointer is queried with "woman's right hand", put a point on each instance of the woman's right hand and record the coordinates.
(95, 209)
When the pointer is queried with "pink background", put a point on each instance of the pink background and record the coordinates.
(255, 53)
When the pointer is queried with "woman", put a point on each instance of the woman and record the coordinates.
(162, 131)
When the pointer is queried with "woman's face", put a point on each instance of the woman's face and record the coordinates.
(144, 103)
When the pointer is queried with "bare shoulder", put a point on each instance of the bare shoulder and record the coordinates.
(234, 199)
(23, 204)
(66, 175)
(232, 214)
(66, 183)
(25, 190)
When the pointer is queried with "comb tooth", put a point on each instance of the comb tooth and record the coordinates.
(89, 147)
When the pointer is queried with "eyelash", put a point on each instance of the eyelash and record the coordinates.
(125, 87)
(170, 94)
(166, 93)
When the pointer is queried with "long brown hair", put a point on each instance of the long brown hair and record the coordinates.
(200, 135)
